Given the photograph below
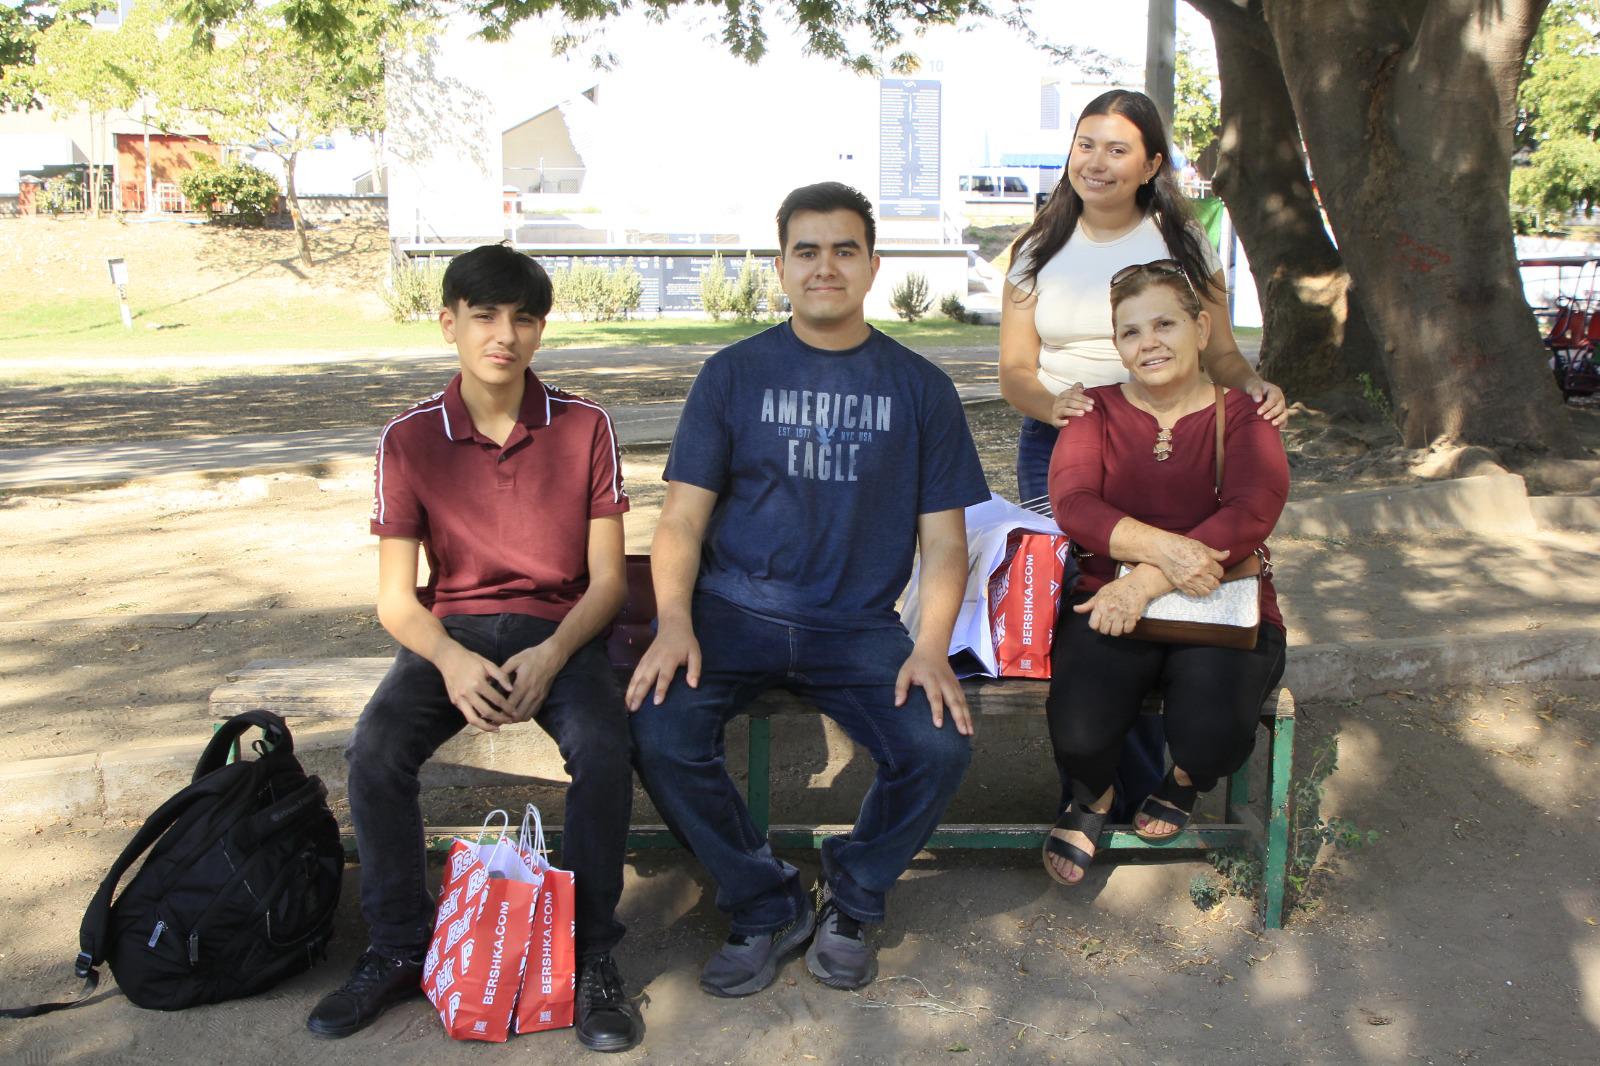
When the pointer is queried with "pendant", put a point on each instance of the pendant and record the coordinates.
(1163, 448)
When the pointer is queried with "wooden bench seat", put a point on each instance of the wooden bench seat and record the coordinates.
(339, 688)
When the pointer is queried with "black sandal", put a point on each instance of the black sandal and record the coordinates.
(1087, 822)
(1156, 807)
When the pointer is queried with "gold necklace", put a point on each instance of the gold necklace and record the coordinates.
(1163, 447)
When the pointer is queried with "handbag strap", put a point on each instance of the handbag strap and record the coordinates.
(1220, 417)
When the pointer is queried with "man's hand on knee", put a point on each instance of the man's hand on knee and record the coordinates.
(477, 687)
(931, 670)
(674, 646)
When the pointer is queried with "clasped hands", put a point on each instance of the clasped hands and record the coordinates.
(1182, 563)
(490, 696)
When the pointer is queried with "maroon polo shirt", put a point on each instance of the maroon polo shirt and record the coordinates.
(505, 527)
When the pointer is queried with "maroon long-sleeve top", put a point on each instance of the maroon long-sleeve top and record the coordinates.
(1104, 469)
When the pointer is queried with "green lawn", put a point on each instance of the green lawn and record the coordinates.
(85, 339)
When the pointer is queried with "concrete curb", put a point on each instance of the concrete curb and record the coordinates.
(1495, 503)
(128, 782)
(1566, 512)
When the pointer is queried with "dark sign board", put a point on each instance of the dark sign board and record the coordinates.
(908, 149)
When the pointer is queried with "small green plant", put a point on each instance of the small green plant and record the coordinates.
(715, 290)
(745, 299)
(63, 194)
(594, 294)
(910, 298)
(1206, 891)
(1376, 398)
(415, 289)
(777, 303)
(952, 308)
(1240, 873)
(234, 191)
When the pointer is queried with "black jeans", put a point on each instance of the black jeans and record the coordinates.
(407, 719)
(1211, 700)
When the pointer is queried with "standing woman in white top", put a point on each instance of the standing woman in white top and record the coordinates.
(1118, 205)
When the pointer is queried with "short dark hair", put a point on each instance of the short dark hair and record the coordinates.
(825, 196)
(497, 274)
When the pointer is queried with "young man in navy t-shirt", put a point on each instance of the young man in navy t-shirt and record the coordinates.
(810, 463)
(513, 489)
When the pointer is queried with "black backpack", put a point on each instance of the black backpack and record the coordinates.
(239, 890)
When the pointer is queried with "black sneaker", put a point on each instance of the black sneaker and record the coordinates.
(745, 965)
(376, 984)
(605, 1020)
(840, 956)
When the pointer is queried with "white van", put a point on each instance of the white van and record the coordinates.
(993, 185)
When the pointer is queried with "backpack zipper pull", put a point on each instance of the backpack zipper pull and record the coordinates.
(194, 948)
(155, 934)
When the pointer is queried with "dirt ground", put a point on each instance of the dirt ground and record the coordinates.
(1467, 932)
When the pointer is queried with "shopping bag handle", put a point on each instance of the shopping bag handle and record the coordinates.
(500, 842)
(532, 844)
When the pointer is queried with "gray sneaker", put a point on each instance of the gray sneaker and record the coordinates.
(745, 965)
(840, 956)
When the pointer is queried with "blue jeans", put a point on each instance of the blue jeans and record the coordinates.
(850, 677)
(407, 719)
(1144, 750)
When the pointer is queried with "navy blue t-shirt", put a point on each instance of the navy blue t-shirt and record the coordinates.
(821, 461)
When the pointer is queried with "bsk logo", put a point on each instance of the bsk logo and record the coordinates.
(430, 963)
(455, 1005)
(447, 977)
(466, 955)
(460, 862)
(451, 904)
(479, 878)
(458, 929)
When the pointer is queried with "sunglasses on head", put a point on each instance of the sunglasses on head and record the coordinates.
(1158, 267)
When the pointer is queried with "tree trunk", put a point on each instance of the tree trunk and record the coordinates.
(295, 218)
(1406, 109)
(1315, 335)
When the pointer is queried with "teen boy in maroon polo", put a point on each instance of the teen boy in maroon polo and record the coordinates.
(513, 489)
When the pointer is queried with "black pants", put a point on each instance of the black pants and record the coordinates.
(1211, 699)
(407, 719)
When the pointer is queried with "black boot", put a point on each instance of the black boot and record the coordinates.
(376, 984)
(605, 1020)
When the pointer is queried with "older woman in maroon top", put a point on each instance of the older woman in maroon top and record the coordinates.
(1133, 481)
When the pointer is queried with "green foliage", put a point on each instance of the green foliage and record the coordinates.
(1376, 398)
(1196, 116)
(1558, 121)
(952, 308)
(1240, 872)
(416, 289)
(1206, 892)
(594, 294)
(776, 299)
(62, 194)
(716, 293)
(233, 191)
(745, 298)
(910, 298)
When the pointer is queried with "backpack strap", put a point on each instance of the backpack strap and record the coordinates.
(216, 754)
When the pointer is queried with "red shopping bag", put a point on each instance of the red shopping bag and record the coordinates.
(480, 939)
(549, 984)
(1024, 595)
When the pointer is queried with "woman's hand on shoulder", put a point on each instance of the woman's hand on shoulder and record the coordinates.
(1115, 607)
(1192, 567)
(1274, 405)
(1074, 403)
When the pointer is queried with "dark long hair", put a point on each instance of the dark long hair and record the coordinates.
(1059, 220)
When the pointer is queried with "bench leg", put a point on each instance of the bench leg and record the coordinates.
(1276, 860)
(758, 784)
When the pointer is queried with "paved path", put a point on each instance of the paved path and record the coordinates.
(24, 469)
